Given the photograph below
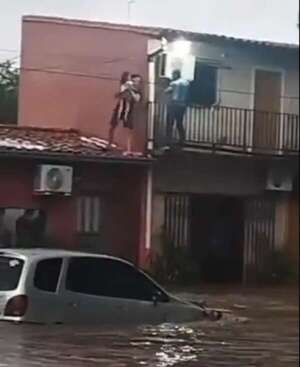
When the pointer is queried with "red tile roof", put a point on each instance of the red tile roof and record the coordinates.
(158, 32)
(58, 143)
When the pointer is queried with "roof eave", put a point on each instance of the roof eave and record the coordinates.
(72, 158)
(158, 32)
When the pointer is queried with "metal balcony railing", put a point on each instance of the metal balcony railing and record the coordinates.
(228, 128)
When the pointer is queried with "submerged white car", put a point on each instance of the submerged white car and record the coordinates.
(62, 287)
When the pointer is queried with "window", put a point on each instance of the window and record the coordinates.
(89, 215)
(10, 273)
(203, 89)
(161, 65)
(110, 278)
(47, 274)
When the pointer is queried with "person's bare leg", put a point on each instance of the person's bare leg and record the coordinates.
(129, 141)
(111, 135)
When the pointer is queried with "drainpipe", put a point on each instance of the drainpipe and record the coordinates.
(151, 107)
(145, 233)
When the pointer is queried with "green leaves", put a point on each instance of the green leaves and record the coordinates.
(9, 82)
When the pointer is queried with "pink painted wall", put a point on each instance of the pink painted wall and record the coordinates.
(118, 186)
(70, 74)
(16, 191)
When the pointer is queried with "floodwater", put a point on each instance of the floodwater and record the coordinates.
(261, 331)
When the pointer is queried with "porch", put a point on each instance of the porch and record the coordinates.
(228, 129)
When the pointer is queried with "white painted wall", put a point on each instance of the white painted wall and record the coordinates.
(236, 88)
(236, 73)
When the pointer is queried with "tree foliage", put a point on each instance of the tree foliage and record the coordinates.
(9, 82)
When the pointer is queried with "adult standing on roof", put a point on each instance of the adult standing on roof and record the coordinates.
(129, 95)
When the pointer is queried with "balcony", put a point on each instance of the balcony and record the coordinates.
(228, 129)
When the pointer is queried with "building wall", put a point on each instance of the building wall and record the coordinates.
(71, 73)
(158, 222)
(16, 192)
(293, 231)
(204, 175)
(232, 177)
(200, 174)
(273, 225)
(236, 71)
(234, 123)
(120, 192)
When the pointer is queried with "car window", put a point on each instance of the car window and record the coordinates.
(110, 278)
(47, 274)
(10, 273)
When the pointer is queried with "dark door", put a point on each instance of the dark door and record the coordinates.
(217, 237)
(267, 104)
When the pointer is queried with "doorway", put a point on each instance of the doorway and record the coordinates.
(267, 106)
(22, 228)
(217, 237)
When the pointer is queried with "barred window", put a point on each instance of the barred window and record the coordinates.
(177, 219)
(89, 215)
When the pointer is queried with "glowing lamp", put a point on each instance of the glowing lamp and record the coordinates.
(181, 48)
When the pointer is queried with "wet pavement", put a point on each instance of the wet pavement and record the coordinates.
(262, 330)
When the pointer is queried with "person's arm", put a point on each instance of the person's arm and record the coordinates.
(136, 96)
(123, 90)
(119, 94)
(170, 88)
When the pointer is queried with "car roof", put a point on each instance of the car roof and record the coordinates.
(43, 253)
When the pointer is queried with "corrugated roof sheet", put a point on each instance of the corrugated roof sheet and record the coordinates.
(35, 141)
(162, 32)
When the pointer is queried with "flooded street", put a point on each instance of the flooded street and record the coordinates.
(262, 330)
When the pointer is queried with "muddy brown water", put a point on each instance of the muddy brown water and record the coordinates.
(262, 331)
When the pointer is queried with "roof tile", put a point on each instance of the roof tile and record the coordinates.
(58, 142)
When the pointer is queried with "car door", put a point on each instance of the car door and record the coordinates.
(143, 300)
(84, 294)
(146, 302)
(105, 290)
(45, 301)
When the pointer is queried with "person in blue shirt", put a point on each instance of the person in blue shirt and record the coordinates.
(178, 93)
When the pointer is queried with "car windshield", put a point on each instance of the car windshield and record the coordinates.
(10, 273)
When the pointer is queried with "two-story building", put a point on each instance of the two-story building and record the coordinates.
(229, 194)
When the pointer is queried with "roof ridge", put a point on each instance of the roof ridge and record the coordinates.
(154, 31)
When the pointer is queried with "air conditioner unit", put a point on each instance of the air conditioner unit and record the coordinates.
(279, 181)
(52, 179)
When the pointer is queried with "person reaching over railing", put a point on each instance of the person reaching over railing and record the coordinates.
(178, 91)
